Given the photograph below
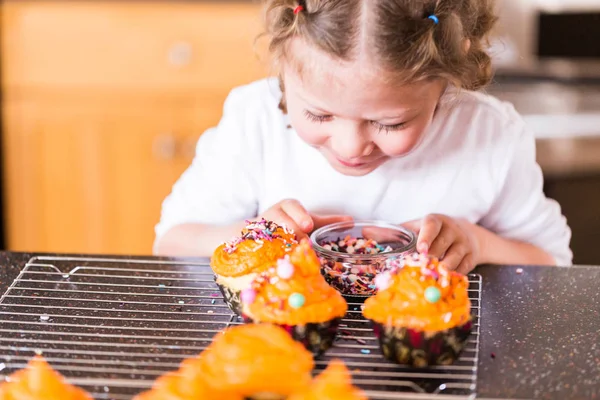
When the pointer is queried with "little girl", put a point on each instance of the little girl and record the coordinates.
(375, 115)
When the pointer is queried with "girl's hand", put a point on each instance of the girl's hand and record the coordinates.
(292, 214)
(453, 241)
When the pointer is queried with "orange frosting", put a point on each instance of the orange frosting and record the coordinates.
(259, 246)
(256, 358)
(335, 383)
(273, 293)
(186, 384)
(404, 303)
(40, 382)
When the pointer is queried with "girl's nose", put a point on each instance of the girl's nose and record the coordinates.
(351, 144)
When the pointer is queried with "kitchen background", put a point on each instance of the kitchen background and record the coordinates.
(103, 101)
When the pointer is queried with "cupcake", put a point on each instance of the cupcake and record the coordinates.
(335, 383)
(294, 295)
(258, 361)
(186, 384)
(421, 313)
(237, 262)
(40, 382)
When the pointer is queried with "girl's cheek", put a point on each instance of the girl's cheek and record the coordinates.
(310, 133)
(396, 144)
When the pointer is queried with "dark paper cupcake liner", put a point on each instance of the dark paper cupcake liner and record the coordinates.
(231, 298)
(316, 337)
(265, 396)
(418, 349)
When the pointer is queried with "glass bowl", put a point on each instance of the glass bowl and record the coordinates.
(348, 265)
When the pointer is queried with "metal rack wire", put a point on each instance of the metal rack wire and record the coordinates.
(112, 326)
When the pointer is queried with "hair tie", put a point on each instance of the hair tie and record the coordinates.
(434, 18)
(298, 9)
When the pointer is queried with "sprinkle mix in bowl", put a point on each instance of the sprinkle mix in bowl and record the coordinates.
(353, 253)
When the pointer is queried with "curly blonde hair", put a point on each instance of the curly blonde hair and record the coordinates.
(399, 35)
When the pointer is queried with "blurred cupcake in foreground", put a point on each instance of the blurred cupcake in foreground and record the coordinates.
(40, 382)
(257, 361)
(237, 262)
(335, 383)
(294, 295)
(186, 384)
(421, 313)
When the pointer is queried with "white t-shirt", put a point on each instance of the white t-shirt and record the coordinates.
(476, 161)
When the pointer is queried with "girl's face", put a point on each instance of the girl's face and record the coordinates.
(357, 119)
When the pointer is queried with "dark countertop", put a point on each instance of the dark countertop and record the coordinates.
(540, 330)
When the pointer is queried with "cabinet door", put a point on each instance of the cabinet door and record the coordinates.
(172, 45)
(89, 176)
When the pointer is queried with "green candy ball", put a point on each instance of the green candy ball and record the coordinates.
(433, 294)
(296, 300)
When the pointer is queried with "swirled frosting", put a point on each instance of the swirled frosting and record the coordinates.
(421, 294)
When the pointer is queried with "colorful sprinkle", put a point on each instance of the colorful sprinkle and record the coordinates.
(259, 231)
(285, 269)
(447, 317)
(352, 245)
(383, 280)
(433, 294)
(353, 279)
(248, 296)
(296, 300)
(365, 351)
(212, 301)
(519, 271)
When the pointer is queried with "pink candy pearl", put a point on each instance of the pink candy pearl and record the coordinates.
(248, 295)
(285, 269)
(382, 281)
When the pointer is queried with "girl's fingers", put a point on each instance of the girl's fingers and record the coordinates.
(280, 217)
(454, 256)
(466, 265)
(298, 214)
(431, 227)
(442, 242)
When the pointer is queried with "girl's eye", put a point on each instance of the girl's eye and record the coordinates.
(316, 118)
(388, 128)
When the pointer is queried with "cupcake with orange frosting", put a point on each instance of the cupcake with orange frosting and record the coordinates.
(294, 295)
(186, 384)
(237, 262)
(335, 383)
(40, 382)
(421, 312)
(255, 361)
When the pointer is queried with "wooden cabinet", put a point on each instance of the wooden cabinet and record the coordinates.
(103, 103)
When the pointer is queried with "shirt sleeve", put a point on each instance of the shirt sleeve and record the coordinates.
(221, 185)
(521, 211)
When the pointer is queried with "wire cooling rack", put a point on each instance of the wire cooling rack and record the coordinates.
(112, 326)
